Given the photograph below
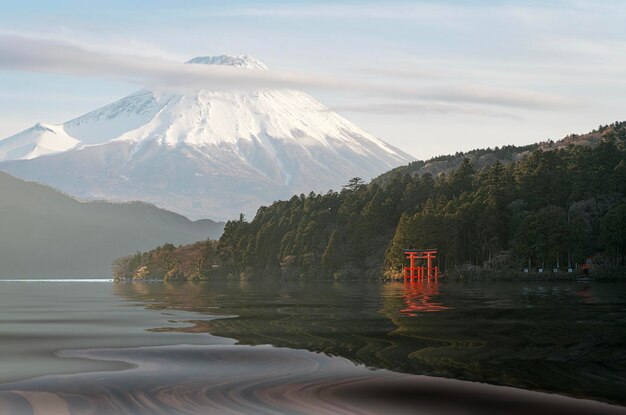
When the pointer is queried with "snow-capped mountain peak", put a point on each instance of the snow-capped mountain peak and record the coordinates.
(203, 153)
(238, 61)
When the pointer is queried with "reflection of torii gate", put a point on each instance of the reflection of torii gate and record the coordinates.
(415, 271)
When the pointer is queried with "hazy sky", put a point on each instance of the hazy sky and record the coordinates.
(430, 77)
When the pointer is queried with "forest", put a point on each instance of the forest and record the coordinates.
(545, 207)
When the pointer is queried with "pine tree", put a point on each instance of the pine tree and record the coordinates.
(394, 258)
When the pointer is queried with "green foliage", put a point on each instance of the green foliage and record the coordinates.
(527, 207)
(613, 232)
(169, 262)
(551, 207)
(355, 183)
(544, 235)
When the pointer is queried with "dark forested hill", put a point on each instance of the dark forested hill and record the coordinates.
(553, 205)
(46, 233)
(486, 157)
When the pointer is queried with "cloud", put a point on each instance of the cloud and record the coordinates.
(403, 108)
(19, 53)
(36, 55)
(581, 48)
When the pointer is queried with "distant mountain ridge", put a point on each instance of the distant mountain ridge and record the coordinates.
(48, 234)
(481, 158)
(202, 153)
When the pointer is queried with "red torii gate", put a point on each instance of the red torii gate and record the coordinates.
(417, 272)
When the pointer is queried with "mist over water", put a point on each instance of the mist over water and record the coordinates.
(269, 347)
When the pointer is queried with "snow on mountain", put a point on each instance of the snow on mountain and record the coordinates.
(113, 120)
(207, 153)
(241, 61)
(39, 140)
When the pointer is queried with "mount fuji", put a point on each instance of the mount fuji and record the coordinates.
(202, 153)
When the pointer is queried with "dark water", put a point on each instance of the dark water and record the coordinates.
(270, 347)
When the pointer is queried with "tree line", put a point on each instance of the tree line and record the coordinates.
(551, 208)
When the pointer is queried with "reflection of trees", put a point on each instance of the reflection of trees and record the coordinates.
(439, 346)
(159, 295)
(366, 323)
(482, 332)
(336, 319)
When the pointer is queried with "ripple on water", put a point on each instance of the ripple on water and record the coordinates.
(224, 379)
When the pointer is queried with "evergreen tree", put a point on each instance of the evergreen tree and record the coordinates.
(613, 233)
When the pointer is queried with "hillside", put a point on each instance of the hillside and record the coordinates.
(482, 158)
(48, 234)
(551, 206)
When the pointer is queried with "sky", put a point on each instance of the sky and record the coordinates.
(430, 77)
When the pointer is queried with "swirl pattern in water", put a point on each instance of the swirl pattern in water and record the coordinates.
(262, 380)
(310, 348)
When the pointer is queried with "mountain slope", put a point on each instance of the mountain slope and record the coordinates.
(210, 153)
(46, 233)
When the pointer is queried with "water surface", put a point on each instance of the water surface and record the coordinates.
(290, 347)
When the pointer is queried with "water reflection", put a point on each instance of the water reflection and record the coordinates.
(533, 335)
(586, 295)
(226, 379)
(419, 297)
(526, 334)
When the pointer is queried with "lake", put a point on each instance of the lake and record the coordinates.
(100, 347)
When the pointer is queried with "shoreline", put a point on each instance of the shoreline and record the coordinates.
(453, 275)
